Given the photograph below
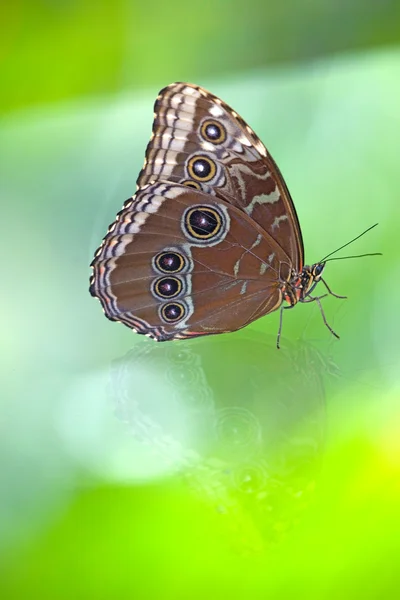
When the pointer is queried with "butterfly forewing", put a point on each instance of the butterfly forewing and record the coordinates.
(199, 141)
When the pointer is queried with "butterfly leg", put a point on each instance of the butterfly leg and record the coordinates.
(330, 291)
(278, 337)
(317, 299)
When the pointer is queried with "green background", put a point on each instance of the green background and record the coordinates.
(217, 467)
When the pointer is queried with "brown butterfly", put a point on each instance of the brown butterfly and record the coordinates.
(211, 240)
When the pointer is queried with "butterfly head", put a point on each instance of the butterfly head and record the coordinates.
(310, 276)
(316, 271)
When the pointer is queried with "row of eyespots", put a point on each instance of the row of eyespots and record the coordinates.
(166, 288)
(170, 262)
(201, 168)
(201, 223)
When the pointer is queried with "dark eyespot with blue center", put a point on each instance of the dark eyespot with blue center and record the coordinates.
(172, 312)
(167, 287)
(169, 262)
(213, 132)
(192, 184)
(202, 222)
(201, 168)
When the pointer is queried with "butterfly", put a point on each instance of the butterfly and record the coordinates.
(210, 241)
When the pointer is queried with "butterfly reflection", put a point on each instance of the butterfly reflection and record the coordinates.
(245, 432)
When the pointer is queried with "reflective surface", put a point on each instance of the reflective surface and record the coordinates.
(246, 433)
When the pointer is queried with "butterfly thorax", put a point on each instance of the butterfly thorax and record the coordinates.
(300, 285)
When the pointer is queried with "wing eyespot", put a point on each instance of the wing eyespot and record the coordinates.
(213, 131)
(201, 168)
(172, 312)
(192, 184)
(202, 222)
(169, 262)
(167, 287)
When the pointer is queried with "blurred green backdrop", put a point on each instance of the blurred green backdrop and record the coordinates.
(216, 466)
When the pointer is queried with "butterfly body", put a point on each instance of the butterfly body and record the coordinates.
(301, 285)
(211, 240)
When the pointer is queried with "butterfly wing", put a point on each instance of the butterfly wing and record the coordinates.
(199, 141)
(179, 263)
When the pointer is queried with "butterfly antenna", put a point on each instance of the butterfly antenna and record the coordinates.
(348, 243)
(354, 256)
